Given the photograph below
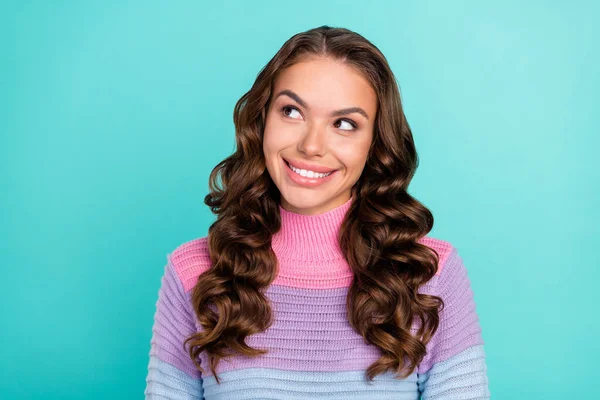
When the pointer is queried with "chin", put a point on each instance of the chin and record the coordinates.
(307, 203)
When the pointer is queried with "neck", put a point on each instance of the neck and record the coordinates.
(310, 238)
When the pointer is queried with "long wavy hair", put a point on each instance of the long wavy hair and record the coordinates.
(378, 235)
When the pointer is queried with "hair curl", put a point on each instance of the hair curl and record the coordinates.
(378, 235)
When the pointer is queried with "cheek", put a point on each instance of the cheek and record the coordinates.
(354, 157)
(268, 138)
(272, 146)
(276, 138)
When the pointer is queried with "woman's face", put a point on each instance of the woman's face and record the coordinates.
(303, 128)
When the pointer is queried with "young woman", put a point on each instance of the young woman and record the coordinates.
(317, 280)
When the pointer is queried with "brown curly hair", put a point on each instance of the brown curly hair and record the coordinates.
(378, 235)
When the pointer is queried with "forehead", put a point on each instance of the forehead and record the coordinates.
(327, 84)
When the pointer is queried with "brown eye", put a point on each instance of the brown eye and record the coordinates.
(290, 108)
(349, 121)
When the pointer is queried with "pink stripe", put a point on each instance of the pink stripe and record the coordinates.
(192, 258)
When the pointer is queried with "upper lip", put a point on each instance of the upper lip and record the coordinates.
(309, 167)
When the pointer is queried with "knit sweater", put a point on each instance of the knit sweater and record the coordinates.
(313, 352)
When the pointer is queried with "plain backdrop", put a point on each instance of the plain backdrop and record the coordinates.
(113, 114)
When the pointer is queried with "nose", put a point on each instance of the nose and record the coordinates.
(313, 142)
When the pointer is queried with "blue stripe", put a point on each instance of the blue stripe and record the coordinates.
(463, 376)
(269, 383)
(165, 381)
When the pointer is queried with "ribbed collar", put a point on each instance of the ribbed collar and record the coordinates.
(310, 238)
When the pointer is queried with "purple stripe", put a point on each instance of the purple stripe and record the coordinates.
(310, 332)
(459, 323)
(173, 322)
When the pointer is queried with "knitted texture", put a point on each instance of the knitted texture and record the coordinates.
(313, 352)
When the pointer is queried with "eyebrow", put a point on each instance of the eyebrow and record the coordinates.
(336, 113)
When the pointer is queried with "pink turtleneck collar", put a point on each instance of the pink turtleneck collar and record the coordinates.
(307, 245)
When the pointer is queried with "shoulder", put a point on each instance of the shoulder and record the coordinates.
(444, 249)
(189, 260)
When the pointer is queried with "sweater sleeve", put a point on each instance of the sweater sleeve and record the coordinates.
(171, 372)
(454, 367)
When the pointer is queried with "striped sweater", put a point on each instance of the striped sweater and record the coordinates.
(313, 351)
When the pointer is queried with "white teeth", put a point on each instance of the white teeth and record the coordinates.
(309, 174)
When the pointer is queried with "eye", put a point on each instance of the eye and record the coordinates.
(291, 108)
(353, 125)
(349, 122)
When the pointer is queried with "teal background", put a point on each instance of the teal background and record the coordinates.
(113, 113)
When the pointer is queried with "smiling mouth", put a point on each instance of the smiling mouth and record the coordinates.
(321, 175)
(328, 170)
